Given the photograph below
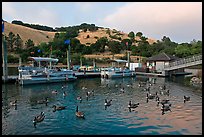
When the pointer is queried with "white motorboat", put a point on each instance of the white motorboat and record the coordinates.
(40, 72)
(116, 73)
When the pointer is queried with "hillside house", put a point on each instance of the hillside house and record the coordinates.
(156, 63)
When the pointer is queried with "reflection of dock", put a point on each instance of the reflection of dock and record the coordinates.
(88, 74)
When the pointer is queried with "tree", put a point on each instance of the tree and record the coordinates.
(18, 43)
(29, 44)
(114, 46)
(131, 35)
(139, 34)
(10, 41)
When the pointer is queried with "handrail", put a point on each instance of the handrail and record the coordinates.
(184, 61)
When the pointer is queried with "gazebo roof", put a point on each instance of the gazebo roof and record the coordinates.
(162, 57)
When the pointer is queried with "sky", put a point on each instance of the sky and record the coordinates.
(180, 21)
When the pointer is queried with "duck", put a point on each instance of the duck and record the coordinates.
(38, 119)
(130, 105)
(54, 92)
(58, 108)
(13, 103)
(79, 114)
(107, 103)
(186, 98)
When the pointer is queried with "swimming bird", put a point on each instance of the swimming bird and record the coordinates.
(38, 119)
(13, 103)
(165, 108)
(164, 101)
(162, 87)
(107, 103)
(147, 89)
(58, 108)
(186, 98)
(122, 90)
(45, 101)
(79, 98)
(83, 88)
(54, 92)
(79, 114)
(64, 94)
(130, 105)
(150, 96)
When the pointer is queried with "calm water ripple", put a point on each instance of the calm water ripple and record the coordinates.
(147, 118)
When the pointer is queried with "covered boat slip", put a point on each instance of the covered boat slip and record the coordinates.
(43, 61)
(41, 72)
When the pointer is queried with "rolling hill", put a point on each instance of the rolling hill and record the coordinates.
(39, 36)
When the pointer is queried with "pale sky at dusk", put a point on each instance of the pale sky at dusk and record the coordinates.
(181, 21)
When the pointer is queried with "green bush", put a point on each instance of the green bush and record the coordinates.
(12, 59)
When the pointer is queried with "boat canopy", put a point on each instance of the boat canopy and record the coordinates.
(118, 60)
(38, 59)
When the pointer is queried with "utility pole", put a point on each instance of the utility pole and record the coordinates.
(4, 51)
(68, 57)
(128, 59)
(68, 53)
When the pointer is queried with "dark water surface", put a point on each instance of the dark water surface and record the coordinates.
(185, 118)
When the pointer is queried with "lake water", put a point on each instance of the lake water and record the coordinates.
(146, 119)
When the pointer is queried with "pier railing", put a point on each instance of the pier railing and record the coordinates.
(194, 60)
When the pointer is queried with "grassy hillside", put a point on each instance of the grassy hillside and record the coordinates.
(39, 36)
(26, 33)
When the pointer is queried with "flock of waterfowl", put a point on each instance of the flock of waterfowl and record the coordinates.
(146, 86)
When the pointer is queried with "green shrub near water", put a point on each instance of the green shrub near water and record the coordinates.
(12, 59)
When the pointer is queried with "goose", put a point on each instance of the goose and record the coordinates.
(43, 101)
(38, 119)
(64, 94)
(147, 89)
(83, 88)
(54, 92)
(162, 87)
(13, 103)
(79, 98)
(150, 96)
(130, 105)
(87, 95)
(186, 98)
(58, 108)
(122, 89)
(107, 103)
(163, 102)
(166, 107)
(79, 114)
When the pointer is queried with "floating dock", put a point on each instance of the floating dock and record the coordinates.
(13, 78)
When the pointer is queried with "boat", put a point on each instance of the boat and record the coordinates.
(114, 72)
(42, 71)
